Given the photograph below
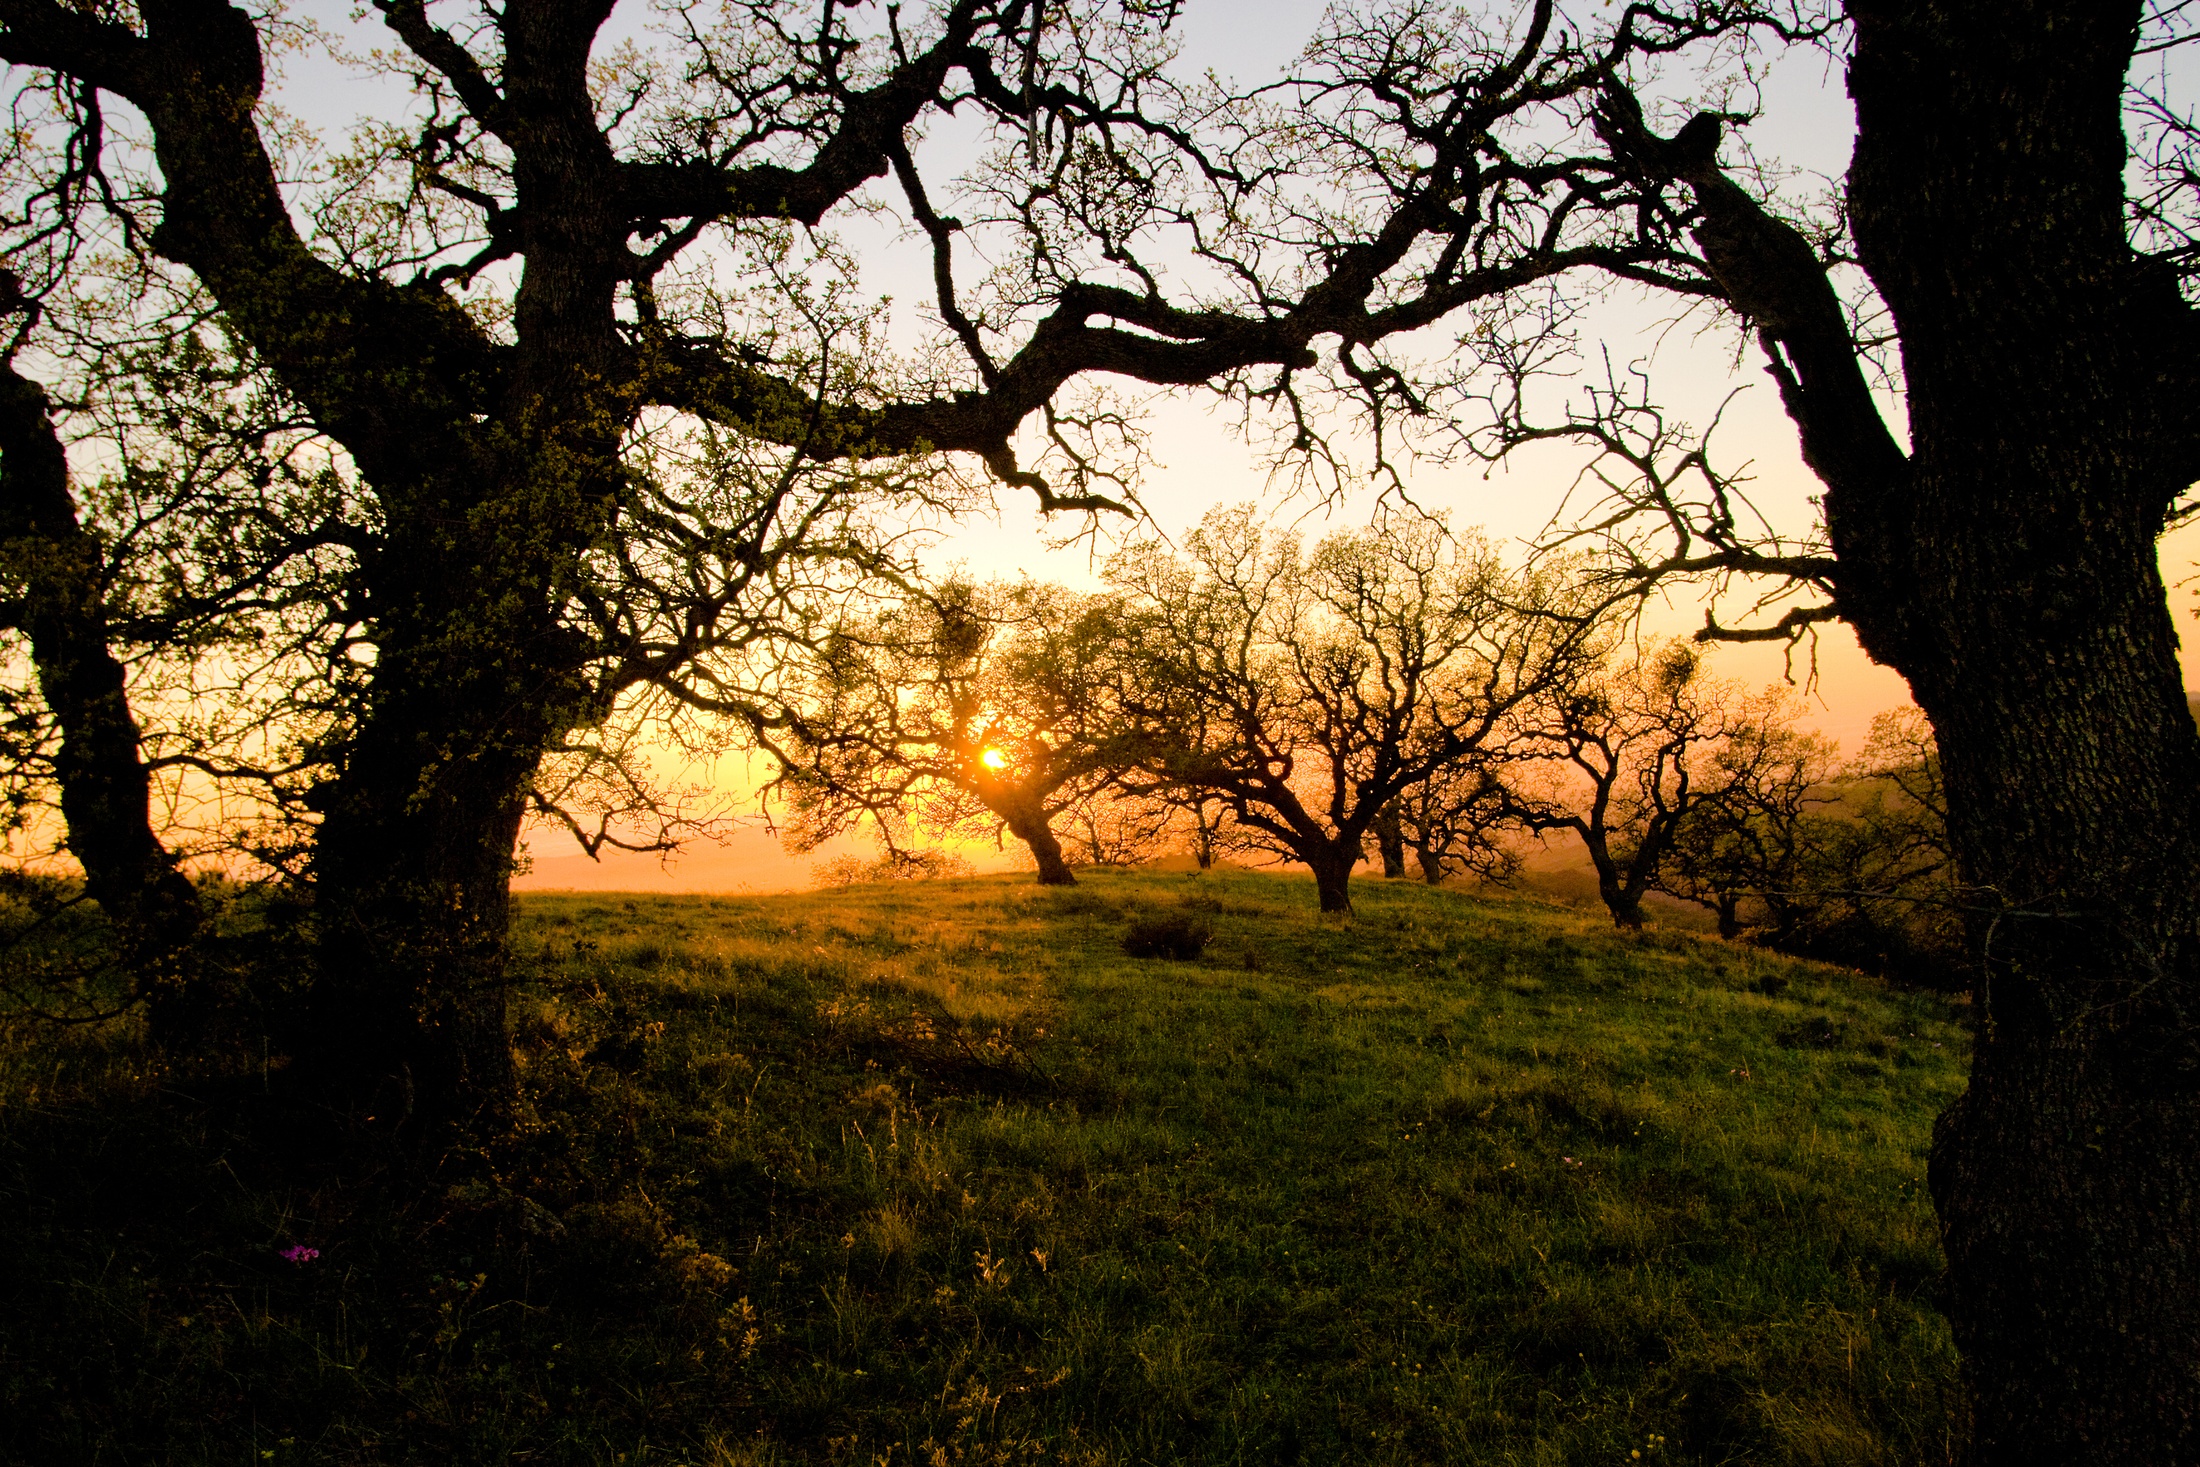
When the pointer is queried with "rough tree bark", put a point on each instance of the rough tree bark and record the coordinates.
(2050, 380)
(106, 790)
(2006, 565)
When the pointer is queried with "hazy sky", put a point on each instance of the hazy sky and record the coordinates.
(1805, 125)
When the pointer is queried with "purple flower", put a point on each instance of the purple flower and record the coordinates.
(300, 1253)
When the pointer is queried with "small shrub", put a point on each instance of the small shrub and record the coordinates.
(1819, 1033)
(1180, 935)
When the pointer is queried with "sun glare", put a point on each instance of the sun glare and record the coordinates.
(993, 759)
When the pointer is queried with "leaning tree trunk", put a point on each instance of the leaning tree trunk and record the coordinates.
(1432, 863)
(2013, 579)
(1047, 851)
(106, 790)
(1027, 821)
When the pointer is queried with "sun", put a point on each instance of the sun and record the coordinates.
(993, 759)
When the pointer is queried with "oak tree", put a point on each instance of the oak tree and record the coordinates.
(480, 305)
(2009, 255)
(1635, 749)
(1310, 689)
(1456, 822)
(957, 706)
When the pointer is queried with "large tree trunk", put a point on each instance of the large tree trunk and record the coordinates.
(474, 680)
(1027, 821)
(1432, 864)
(1621, 894)
(475, 677)
(413, 872)
(105, 788)
(1047, 851)
(2013, 579)
(1333, 878)
(2068, 1177)
(1624, 905)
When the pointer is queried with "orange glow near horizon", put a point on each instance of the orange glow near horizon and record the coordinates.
(1839, 690)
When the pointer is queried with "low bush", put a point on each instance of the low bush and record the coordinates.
(1179, 935)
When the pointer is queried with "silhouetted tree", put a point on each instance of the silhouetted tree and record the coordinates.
(1637, 749)
(1758, 840)
(2002, 230)
(960, 704)
(1849, 864)
(1312, 690)
(1457, 822)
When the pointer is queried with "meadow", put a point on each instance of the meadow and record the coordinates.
(935, 1174)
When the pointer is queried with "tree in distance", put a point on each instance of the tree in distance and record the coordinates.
(1455, 822)
(1200, 818)
(1116, 828)
(1636, 749)
(1309, 690)
(1848, 864)
(1753, 842)
(960, 706)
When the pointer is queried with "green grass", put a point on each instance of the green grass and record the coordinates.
(934, 1174)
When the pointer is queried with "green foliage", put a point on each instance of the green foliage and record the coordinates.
(931, 1173)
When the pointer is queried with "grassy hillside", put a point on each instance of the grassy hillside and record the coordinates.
(934, 1174)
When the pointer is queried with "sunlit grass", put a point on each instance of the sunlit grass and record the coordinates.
(933, 1173)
